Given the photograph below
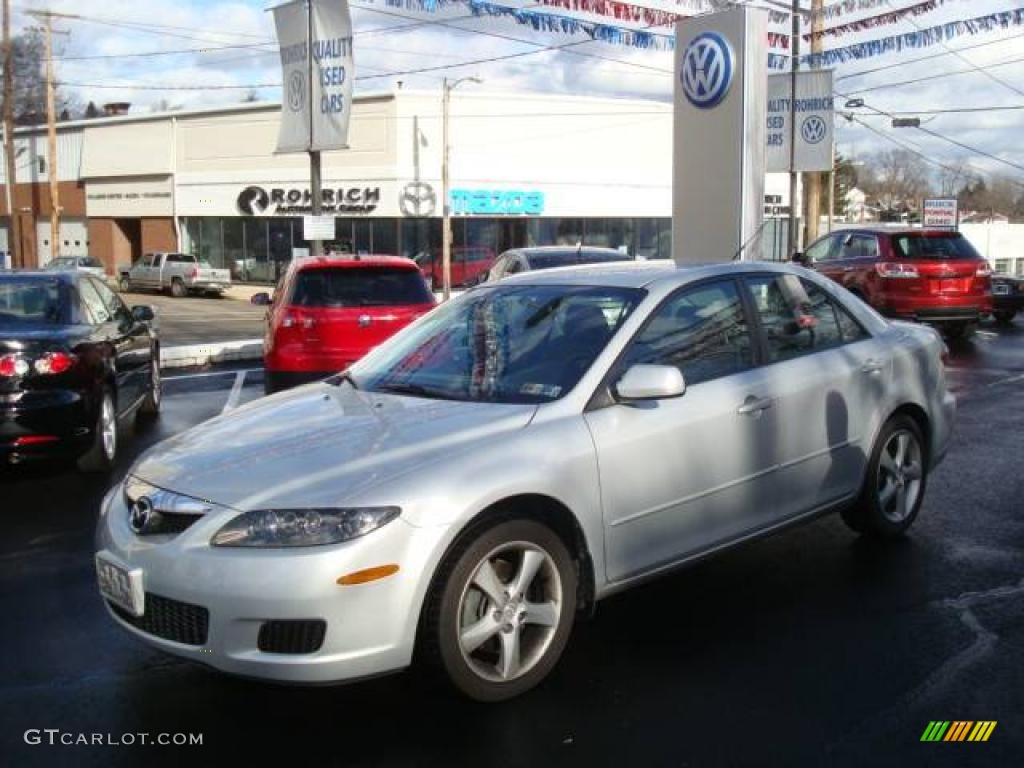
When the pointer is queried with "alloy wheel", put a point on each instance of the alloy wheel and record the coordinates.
(900, 472)
(509, 611)
(108, 428)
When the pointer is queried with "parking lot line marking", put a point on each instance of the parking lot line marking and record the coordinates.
(236, 393)
(209, 374)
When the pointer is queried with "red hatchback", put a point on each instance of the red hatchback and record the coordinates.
(328, 312)
(932, 276)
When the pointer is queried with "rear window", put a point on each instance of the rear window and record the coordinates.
(914, 246)
(25, 301)
(552, 259)
(359, 287)
(180, 258)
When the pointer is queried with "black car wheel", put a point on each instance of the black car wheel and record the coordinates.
(103, 452)
(150, 407)
(1004, 316)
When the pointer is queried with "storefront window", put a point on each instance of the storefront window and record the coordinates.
(191, 231)
(255, 265)
(233, 247)
(385, 237)
(280, 244)
(211, 248)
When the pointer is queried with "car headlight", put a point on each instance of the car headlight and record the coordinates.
(302, 527)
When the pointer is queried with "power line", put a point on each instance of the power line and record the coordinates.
(926, 78)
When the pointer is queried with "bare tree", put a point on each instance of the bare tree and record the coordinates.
(952, 177)
(30, 81)
(897, 179)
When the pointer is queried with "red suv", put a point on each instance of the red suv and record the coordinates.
(329, 311)
(932, 276)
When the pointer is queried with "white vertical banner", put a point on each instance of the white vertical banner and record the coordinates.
(815, 121)
(719, 136)
(292, 22)
(317, 67)
(333, 73)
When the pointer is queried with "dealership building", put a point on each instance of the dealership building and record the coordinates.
(526, 169)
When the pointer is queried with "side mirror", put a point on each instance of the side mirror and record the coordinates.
(261, 299)
(800, 258)
(143, 314)
(650, 382)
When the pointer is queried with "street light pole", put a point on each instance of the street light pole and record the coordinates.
(446, 222)
(14, 230)
(794, 52)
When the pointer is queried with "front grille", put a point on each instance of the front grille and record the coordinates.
(169, 619)
(304, 636)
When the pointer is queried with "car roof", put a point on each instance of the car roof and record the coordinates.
(639, 274)
(881, 230)
(539, 249)
(345, 260)
(69, 275)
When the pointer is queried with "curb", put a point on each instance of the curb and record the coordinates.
(191, 355)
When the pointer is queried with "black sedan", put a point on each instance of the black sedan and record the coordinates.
(74, 361)
(1007, 298)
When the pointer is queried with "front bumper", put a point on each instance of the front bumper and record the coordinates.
(370, 628)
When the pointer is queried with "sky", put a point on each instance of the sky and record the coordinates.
(219, 51)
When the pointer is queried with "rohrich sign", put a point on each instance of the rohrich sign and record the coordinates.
(291, 201)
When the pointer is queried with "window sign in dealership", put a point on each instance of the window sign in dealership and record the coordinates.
(281, 201)
(494, 202)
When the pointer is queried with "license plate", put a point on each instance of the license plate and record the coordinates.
(120, 585)
(1001, 290)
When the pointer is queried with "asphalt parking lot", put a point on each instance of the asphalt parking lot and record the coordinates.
(809, 648)
(201, 319)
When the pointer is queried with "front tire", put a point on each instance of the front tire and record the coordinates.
(501, 610)
(895, 483)
(103, 453)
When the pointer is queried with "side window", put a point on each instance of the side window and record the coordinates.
(702, 331)
(514, 265)
(821, 250)
(797, 317)
(95, 308)
(848, 326)
(860, 247)
(115, 307)
(147, 260)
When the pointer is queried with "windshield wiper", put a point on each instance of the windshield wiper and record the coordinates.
(416, 390)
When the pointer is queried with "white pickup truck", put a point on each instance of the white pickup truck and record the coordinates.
(178, 273)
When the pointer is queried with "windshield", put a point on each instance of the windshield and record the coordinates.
(30, 301)
(359, 287)
(552, 259)
(921, 246)
(506, 344)
(63, 262)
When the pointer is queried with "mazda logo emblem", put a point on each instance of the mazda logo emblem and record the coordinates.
(141, 513)
(707, 70)
(813, 129)
(417, 198)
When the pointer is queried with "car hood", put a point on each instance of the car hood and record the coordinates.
(319, 445)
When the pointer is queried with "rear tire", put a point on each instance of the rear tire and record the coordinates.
(103, 453)
(178, 289)
(1004, 316)
(150, 408)
(894, 484)
(501, 610)
(960, 330)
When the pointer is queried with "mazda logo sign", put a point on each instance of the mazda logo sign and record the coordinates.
(140, 514)
(707, 70)
(417, 198)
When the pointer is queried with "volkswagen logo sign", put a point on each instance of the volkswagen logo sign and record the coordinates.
(707, 70)
(140, 514)
(417, 199)
(813, 129)
(297, 91)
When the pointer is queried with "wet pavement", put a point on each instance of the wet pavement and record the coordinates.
(201, 319)
(808, 648)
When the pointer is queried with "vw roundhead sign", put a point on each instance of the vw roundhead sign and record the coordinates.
(708, 66)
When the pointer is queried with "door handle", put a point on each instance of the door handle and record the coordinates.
(873, 366)
(753, 406)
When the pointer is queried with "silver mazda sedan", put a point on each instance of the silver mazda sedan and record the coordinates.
(461, 494)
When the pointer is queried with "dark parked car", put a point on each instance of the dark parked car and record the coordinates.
(932, 276)
(548, 257)
(1007, 298)
(74, 360)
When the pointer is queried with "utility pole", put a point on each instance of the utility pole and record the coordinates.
(794, 64)
(812, 180)
(315, 169)
(51, 128)
(14, 230)
(446, 213)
